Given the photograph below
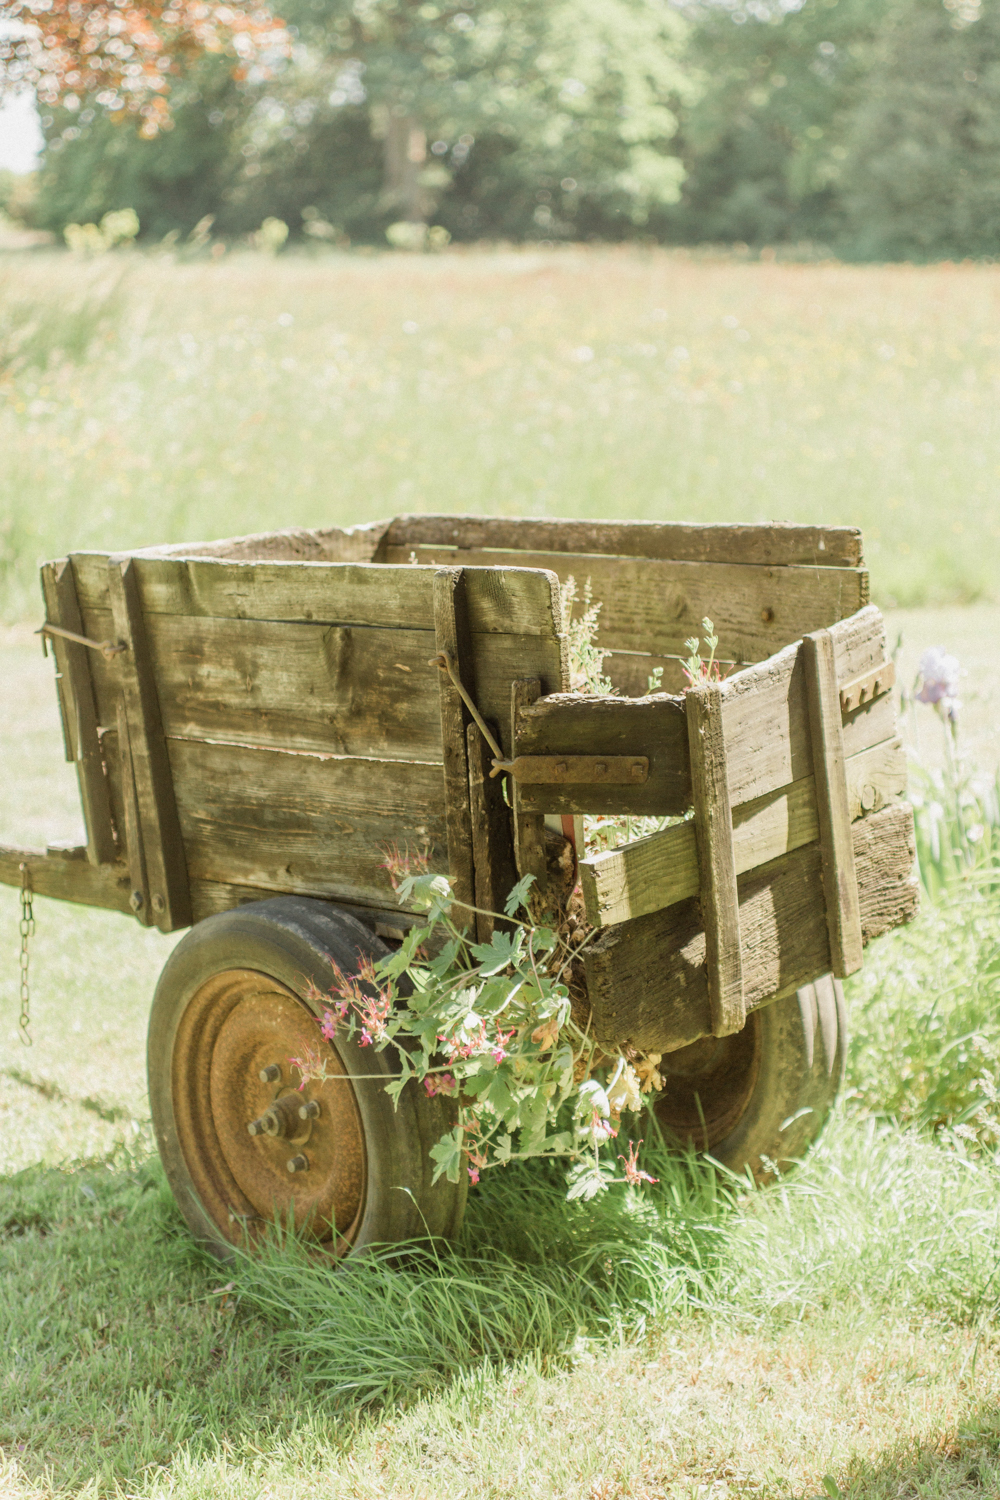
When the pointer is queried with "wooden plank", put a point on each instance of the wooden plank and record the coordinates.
(713, 827)
(451, 638)
(529, 827)
(132, 826)
(166, 869)
(647, 979)
(840, 885)
(774, 543)
(766, 714)
(511, 601)
(571, 724)
(312, 825)
(68, 875)
(291, 544)
(79, 712)
(356, 690)
(652, 873)
(211, 896)
(656, 606)
(492, 837)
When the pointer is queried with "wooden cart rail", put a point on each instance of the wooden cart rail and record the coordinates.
(276, 724)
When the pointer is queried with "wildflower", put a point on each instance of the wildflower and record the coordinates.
(648, 1072)
(625, 1092)
(940, 673)
(499, 1050)
(400, 865)
(443, 1083)
(311, 1065)
(633, 1173)
(473, 1174)
(331, 1019)
(600, 1128)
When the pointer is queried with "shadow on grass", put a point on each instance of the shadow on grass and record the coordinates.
(127, 1346)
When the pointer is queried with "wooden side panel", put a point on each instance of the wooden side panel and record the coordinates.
(647, 978)
(773, 544)
(304, 824)
(506, 600)
(163, 848)
(529, 826)
(840, 886)
(713, 828)
(292, 544)
(656, 606)
(79, 710)
(655, 872)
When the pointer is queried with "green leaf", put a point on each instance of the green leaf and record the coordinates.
(447, 1156)
(501, 953)
(518, 896)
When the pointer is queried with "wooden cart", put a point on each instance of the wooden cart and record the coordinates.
(255, 721)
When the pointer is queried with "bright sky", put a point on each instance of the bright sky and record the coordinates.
(20, 133)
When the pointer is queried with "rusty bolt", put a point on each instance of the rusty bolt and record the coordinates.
(298, 1163)
(270, 1074)
(159, 905)
(309, 1110)
(600, 768)
(561, 767)
(637, 770)
(256, 1127)
(135, 901)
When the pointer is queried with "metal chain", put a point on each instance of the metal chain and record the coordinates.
(27, 931)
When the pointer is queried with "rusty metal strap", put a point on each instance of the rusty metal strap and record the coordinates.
(109, 649)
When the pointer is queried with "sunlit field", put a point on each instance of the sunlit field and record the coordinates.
(179, 401)
(834, 1337)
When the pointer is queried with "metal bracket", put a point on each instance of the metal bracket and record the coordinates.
(109, 649)
(578, 770)
(863, 689)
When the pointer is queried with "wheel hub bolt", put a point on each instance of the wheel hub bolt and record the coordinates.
(309, 1110)
(270, 1074)
(298, 1163)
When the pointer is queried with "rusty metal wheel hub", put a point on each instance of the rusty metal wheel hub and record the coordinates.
(708, 1085)
(258, 1147)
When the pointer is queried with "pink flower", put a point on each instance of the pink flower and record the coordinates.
(473, 1174)
(443, 1083)
(633, 1174)
(601, 1129)
(500, 1048)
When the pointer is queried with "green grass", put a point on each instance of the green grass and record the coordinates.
(146, 400)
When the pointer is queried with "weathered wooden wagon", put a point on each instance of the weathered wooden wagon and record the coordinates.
(255, 721)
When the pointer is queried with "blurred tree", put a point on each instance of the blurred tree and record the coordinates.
(123, 54)
(764, 143)
(922, 158)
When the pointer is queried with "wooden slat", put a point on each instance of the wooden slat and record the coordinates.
(79, 712)
(529, 827)
(571, 724)
(131, 826)
(356, 690)
(652, 873)
(451, 637)
(166, 869)
(512, 601)
(647, 978)
(777, 542)
(713, 826)
(211, 896)
(840, 886)
(304, 824)
(292, 544)
(67, 875)
(656, 606)
(492, 837)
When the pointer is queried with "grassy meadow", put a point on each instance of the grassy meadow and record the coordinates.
(146, 400)
(833, 1336)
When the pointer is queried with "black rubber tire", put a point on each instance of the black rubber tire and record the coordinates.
(786, 1069)
(293, 940)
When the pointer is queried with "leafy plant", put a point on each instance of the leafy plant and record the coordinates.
(492, 1026)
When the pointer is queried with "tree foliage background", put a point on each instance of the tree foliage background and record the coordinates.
(866, 127)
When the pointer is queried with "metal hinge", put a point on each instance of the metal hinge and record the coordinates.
(576, 770)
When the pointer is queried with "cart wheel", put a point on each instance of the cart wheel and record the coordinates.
(758, 1099)
(241, 1144)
